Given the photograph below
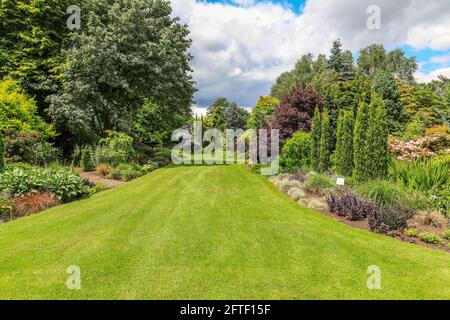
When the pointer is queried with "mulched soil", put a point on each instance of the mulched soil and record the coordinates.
(95, 178)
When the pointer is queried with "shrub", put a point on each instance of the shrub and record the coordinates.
(5, 205)
(296, 152)
(382, 192)
(429, 237)
(116, 148)
(428, 146)
(28, 147)
(149, 167)
(410, 232)
(87, 161)
(299, 176)
(348, 204)
(420, 175)
(389, 218)
(296, 193)
(432, 218)
(317, 182)
(446, 235)
(439, 199)
(126, 172)
(98, 188)
(103, 169)
(359, 143)
(440, 129)
(414, 130)
(60, 182)
(33, 203)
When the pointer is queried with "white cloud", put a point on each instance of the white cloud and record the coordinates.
(239, 49)
(433, 75)
(197, 111)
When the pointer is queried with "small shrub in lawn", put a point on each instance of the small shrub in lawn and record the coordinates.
(296, 193)
(33, 203)
(446, 235)
(103, 170)
(429, 237)
(317, 183)
(382, 192)
(411, 232)
(389, 218)
(348, 204)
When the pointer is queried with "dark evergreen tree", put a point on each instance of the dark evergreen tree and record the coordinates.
(315, 139)
(377, 140)
(325, 144)
(360, 143)
(336, 60)
(344, 145)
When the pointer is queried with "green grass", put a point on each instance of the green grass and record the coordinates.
(207, 232)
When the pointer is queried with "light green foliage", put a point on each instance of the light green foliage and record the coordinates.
(32, 35)
(129, 50)
(439, 198)
(295, 154)
(410, 232)
(325, 143)
(383, 192)
(18, 111)
(429, 237)
(296, 193)
(420, 175)
(59, 181)
(446, 235)
(414, 130)
(316, 130)
(318, 181)
(262, 112)
(116, 148)
(344, 144)
(87, 160)
(127, 172)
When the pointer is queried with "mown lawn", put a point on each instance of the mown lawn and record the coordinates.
(207, 232)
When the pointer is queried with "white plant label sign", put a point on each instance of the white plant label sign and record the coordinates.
(340, 181)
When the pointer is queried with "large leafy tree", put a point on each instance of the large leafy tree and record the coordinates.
(129, 50)
(262, 112)
(295, 112)
(32, 34)
(224, 114)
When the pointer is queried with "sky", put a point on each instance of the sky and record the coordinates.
(240, 47)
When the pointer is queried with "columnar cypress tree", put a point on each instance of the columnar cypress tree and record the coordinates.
(339, 140)
(378, 147)
(344, 163)
(315, 139)
(325, 143)
(2, 152)
(360, 143)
